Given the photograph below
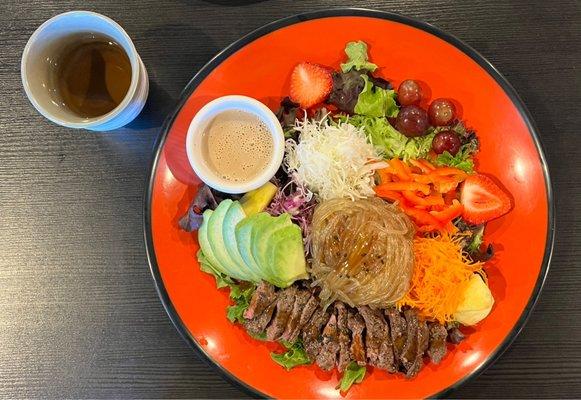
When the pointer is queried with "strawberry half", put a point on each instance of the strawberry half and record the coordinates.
(310, 84)
(483, 200)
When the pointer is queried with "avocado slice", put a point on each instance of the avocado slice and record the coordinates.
(262, 235)
(205, 244)
(244, 231)
(216, 239)
(286, 256)
(233, 216)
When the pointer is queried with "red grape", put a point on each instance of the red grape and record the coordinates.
(409, 92)
(412, 121)
(446, 141)
(442, 112)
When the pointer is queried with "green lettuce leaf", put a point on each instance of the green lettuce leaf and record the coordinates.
(460, 161)
(389, 141)
(295, 355)
(235, 313)
(374, 101)
(258, 336)
(241, 297)
(357, 57)
(477, 239)
(354, 373)
(418, 147)
(239, 293)
(463, 159)
(473, 240)
(205, 266)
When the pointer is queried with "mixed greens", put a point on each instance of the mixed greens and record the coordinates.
(294, 355)
(357, 58)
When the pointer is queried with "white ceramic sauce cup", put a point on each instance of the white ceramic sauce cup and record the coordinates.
(44, 45)
(199, 125)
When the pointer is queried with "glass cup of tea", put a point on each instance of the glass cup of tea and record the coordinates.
(80, 69)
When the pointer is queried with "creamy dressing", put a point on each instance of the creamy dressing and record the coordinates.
(237, 146)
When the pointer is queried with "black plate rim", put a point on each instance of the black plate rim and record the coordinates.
(335, 12)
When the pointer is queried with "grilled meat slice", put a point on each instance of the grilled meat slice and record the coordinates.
(262, 297)
(329, 346)
(377, 339)
(284, 306)
(308, 310)
(258, 324)
(311, 333)
(455, 335)
(397, 329)
(410, 347)
(356, 325)
(437, 348)
(422, 345)
(292, 329)
(344, 357)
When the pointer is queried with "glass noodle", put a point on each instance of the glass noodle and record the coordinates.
(362, 252)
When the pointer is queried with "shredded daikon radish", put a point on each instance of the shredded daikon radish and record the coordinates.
(333, 161)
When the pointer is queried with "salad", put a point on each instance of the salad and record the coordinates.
(367, 249)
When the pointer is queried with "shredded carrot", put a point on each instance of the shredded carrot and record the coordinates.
(441, 272)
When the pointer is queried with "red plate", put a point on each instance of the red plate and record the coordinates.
(259, 65)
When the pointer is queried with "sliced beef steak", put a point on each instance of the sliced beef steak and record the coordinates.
(437, 348)
(423, 337)
(293, 326)
(422, 345)
(455, 335)
(377, 339)
(329, 346)
(258, 324)
(309, 309)
(356, 325)
(386, 339)
(311, 334)
(344, 357)
(410, 347)
(284, 306)
(397, 329)
(262, 297)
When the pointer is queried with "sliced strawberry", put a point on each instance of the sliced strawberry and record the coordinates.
(310, 84)
(483, 200)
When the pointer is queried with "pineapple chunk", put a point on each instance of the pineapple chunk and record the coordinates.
(257, 200)
(476, 304)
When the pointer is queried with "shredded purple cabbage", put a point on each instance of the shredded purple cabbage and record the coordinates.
(296, 200)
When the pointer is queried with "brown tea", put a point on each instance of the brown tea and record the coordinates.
(93, 74)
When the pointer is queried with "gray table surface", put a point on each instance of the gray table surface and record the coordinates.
(79, 315)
